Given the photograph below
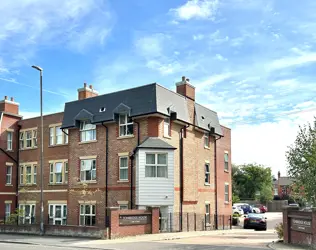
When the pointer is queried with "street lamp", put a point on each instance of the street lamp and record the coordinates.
(42, 147)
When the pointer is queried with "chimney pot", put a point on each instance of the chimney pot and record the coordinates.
(90, 86)
(183, 78)
(85, 85)
(12, 99)
(187, 79)
(279, 174)
(5, 97)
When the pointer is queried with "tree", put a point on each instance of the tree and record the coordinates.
(252, 179)
(301, 159)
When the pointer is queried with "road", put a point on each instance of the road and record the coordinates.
(225, 240)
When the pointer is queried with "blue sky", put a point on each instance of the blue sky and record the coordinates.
(252, 61)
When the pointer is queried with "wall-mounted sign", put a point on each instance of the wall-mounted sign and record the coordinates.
(126, 219)
(301, 225)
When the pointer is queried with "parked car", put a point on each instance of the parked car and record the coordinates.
(245, 207)
(238, 210)
(262, 208)
(255, 221)
(256, 210)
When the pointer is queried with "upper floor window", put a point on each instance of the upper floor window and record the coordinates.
(9, 175)
(156, 165)
(166, 127)
(28, 174)
(28, 139)
(88, 171)
(226, 161)
(126, 125)
(58, 172)
(226, 192)
(9, 140)
(57, 136)
(123, 168)
(207, 174)
(206, 140)
(88, 131)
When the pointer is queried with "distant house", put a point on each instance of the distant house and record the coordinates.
(282, 185)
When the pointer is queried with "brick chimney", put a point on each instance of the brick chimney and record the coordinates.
(9, 106)
(185, 88)
(279, 174)
(86, 92)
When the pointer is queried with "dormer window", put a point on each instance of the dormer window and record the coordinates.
(88, 131)
(167, 127)
(126, 125)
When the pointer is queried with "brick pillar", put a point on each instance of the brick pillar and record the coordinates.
(154, 220)
(114, 223)
(287, 223)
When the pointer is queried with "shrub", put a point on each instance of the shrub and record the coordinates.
(279, 230)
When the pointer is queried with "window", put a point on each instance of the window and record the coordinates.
(87, 132)
(28, 139)
(87, 215)
(207, 213)
(123, 207)
(57, 136)
(28, 214)
(88, 170)
(7, 210)
(57, 214)
(206, 140)
(207, 174)
(226, 161)
(126, 125)
(58, 172)
(167, 130)
(28, 173)
(9, 140)
(226, 193)
(9, 175)
(156, 165)
(123, 168)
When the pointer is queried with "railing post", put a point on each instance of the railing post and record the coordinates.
(194, 221)
(205, 222)
(223, 222)
(188, 229)
(231, 221)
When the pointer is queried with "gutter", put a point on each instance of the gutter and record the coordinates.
(215, 172)
(132, 162)
(106, 173)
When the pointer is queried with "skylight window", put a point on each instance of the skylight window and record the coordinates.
(102, 109)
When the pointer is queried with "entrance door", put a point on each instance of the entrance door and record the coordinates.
(163, 218)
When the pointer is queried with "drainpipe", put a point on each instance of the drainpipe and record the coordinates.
(17, 167)
(106, 173)
(215, 170)
(132, 157)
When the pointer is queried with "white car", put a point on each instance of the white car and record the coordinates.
(238, 210)
(256, 210)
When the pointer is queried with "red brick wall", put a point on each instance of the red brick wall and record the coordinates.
(222, 145)
(9, 107)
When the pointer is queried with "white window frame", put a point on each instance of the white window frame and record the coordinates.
(27, 219)
(8, 175)
(123, 168)
(83, 175)
(167, 127)
(83, 214)
(125, 126)
(22, 181)
(226, 161)
(31, 139)
(53, 171)
(28, 176)
(156, 165)
(9, 140)
(207, 173)
(24, 175)
(226, 198)
(54, 130)
(52, 214)
(86, 127)
(206, 138)
(207, 213)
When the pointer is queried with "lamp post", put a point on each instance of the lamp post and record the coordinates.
(42, 147)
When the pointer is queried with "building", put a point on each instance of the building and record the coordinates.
(137, 148)
(282, 186)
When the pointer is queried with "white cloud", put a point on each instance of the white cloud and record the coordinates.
(212, 80)
(220, 57)
(151, 45)
(268, 96)
(286, 83)
(198, 37)
(199, 9)
(307, 104)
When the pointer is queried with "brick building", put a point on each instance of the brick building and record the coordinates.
(137, 148)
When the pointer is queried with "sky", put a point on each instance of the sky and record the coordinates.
(252, 61)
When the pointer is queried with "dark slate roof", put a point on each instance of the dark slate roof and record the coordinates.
(143, 100)
(155, 142)
(285, 181)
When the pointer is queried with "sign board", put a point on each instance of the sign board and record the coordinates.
(135, 219)
(301, 225)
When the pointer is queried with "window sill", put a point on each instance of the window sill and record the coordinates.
(207, 184)
(27, 185)
(10, 150)
(226, 171)
(23, 149)
(123, 181)
(57, 145)
(57, 184)
(8, 185)
(206, 147)
(85, 142)
(226, 203)
(125, 137)
(167, 136)
(87, 182)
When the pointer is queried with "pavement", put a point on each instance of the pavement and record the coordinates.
(235, 239)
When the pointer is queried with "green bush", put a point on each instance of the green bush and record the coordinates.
(236, 215)
(279, 230)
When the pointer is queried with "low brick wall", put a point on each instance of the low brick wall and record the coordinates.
(299, 227)
(133, 222)
(20, 229)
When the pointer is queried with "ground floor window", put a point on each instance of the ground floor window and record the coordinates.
(207, 213)
(87, 215)
(57, 214)
(28, 213)
(7, 210)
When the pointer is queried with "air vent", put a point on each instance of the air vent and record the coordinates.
(203, 117)
(102, 109)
